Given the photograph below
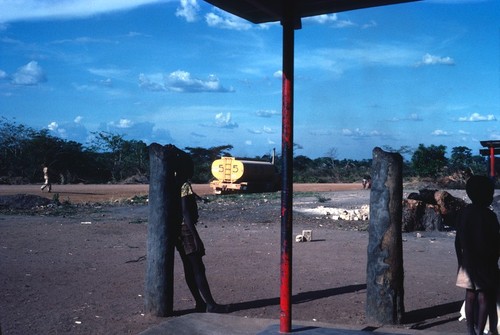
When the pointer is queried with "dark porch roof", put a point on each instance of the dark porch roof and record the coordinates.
(261, 11)
(490, 143)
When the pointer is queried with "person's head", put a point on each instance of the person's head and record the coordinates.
(185, 167)
(480, 190)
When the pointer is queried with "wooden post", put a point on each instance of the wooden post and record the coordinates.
(385, 274)
(163, 228)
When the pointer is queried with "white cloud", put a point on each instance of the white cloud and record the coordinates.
(148, 83)
(414, 117)
(370, 24)
(71, 130)
(122, 124)
(264, 130)
(135, 34)
(145, 131)
(255, 131)
(161, 135)
(248, 142)
(360, 133)
(440, 132)
(429, 59)
(83, 40)
(344, 24)
(223, 20)
(62, 133)
(348, 132)
(267, 113)
(330, 19)
(322, 19)
(53, 126)
(3, 74)
(188, 9)
(339, 60)
(224, 121)
(29, 75)
(78, 119)
(411, 117)
(106, 82)
(278, 74)
(43, 9)
(476, 117)
(321, 132)
(84, 87)
(268, 130)
(181, 82)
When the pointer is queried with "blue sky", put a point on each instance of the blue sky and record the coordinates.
(186, 73)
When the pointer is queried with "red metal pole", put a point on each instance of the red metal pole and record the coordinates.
(492, 161)
(287, 171)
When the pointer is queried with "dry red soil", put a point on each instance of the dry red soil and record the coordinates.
(83, 272)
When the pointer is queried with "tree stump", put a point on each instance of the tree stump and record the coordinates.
(384, 279)
(165, 217)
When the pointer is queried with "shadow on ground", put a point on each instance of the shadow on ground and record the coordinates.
(418, 317)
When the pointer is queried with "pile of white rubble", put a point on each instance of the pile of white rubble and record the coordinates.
(354, 214)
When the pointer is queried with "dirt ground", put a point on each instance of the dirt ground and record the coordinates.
(81, 269)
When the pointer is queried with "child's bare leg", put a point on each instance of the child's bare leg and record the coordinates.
(492, 313)
(470, 300)
(483, 310)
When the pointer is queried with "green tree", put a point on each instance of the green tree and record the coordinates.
(122, 157)
(74, 164)
(203, 158)
(429, 161)
(42, 149)
(135, 158)
(109, 146)
(325, 170)
(110, 157)
(479, 165)
(13, 138)
(330, 165)
(303, 168)
(461, 158)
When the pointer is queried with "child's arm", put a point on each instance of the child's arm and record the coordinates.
(190, 220)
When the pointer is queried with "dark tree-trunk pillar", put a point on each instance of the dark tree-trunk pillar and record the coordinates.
(163, 224)
(384, 278)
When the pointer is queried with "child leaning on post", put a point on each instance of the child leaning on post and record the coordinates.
(190, 245)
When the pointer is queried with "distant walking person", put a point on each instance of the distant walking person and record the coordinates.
(46, 178)
(367, 182)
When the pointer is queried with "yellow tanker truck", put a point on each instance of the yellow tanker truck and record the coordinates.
(237, 175)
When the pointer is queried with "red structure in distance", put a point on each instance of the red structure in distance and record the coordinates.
(493, 149)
